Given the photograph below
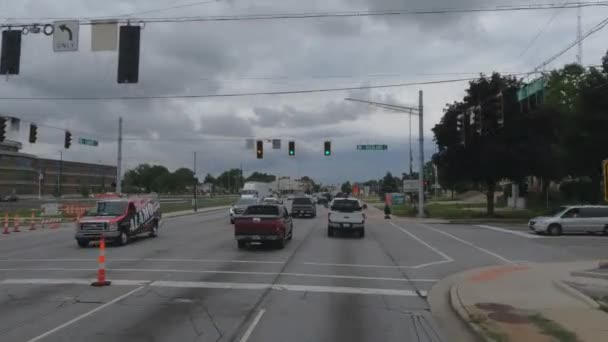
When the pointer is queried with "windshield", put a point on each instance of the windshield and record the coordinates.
(302, 200)
(263, 210)
(246, 201)
(345, 205)
(111, 208)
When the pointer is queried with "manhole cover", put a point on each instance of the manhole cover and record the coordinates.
(508, 317)
(494, 307)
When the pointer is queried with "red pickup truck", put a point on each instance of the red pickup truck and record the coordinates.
(268, 223)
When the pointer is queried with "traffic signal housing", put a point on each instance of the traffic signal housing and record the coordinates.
(292, 148)
(259, 150)
(33, 133)
(68, 140)
(128, 54)
(327, 149)
(11, 52)
(2, 129)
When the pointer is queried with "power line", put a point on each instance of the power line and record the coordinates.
(540, 32)
(269, 93)
(251, 17)
(163, 9)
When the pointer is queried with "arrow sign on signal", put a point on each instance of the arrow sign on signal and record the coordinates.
(64, 28)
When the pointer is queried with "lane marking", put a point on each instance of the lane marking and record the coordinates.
(252, 326)
(373, 266)
(509, 231)
(497, 256)
(229, 286)
(149, 259)
(445, 257)
(311, 275)
(69, 281)
(86, 314)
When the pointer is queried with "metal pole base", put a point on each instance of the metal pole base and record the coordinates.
(101, 283)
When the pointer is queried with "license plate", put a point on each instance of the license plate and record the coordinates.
(256, 237)
(346, 225)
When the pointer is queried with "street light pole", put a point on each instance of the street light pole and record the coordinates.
(410, 110)
(195, 184)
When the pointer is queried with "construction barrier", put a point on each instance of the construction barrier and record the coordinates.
(16, 226)
(101, 271)
(6, 224)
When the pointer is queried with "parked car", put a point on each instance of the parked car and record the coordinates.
(572, 219)
(303, 206)
(346, 215)
(118, 220)
(264, 223)
(239, 207)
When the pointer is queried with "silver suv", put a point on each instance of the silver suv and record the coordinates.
(572, 219)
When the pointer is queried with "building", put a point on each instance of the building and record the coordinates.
(27, 175)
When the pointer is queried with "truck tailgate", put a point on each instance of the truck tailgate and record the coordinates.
(346, 217)
(256, 225)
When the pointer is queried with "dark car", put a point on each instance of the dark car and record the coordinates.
(322, 201)
(264, 223)
(9, 198)
(303, 206)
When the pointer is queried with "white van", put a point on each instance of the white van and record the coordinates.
(573, 219)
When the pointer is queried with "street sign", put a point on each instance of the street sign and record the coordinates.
(276, 144)
(65, 35)
(372, 147)
(88, 142)
(605, 169)
(411, 185)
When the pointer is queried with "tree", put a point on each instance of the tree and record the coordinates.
(346, 188)
(261, 177)
(232, 180)
(388, 184)
(209, 179)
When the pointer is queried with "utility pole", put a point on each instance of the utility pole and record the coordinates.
(410, 147)
(421, 176)
(119, 159)
(579, 35)
(59, 174)
(195, 184)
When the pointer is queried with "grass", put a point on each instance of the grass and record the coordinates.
(201, 203)
(548, 327)
(451, 211)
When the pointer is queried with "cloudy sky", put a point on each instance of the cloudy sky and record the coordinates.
(273, 55)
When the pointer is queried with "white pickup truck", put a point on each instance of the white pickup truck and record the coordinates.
(346, 215)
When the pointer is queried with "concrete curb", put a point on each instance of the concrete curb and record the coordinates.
(464, 315)
(571, 291)
(200, 212)
(590, 274)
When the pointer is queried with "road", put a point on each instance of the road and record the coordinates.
(193, 284)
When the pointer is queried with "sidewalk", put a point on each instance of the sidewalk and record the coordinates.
(529, 302)
(192, 212)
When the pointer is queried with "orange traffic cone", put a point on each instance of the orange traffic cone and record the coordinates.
(101, 272)
(33, 222)
(16, 227)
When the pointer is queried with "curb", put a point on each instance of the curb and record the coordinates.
(571, 291)
(464, 315)
(590, 274)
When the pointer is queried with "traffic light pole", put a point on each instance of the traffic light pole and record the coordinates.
(195, 184)
(119, 159)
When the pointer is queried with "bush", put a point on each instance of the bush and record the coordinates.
(580, 191)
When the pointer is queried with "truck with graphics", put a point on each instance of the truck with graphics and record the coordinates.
(119, 220)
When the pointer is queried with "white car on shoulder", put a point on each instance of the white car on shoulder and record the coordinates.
(346, 215)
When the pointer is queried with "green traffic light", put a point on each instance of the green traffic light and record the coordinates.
(327, 153)
(292, 152)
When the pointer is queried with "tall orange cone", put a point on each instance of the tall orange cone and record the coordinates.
(101, 272)
(33, 222)
(16, 227)
(6, 224)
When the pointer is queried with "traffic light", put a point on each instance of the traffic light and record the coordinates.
(292, 148)
(11, 52)
(328, 148)
(128, 54)
(501, 109)
(68, 140)
(33, 133)
(2, 129)
(259, 149)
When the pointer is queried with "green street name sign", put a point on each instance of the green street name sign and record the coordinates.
(88, 142)
(372, 147)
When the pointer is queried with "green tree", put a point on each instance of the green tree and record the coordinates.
(231, 180)
(261, 177)
(209, 179)
(346, 188)
(388, 184)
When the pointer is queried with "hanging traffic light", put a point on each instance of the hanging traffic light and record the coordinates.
(128, 54)
(259, 149)
(292, 148)
(2, 129)
(33, 133)
(11, 52)
(328, 148)
(68, 140)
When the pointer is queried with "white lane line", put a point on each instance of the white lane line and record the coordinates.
(497, 256)
(509, 231)
(376, 266)
(101, 307)
(230, 286)
(434, 249)
(144, 270)
(252, 326)
(149, 259)
(69, 281)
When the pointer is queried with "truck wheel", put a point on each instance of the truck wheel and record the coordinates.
(123, 239)
(241, 244)
(83, 243)
(330, 232)
(154, 230)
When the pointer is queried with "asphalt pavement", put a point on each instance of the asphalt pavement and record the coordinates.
(192, 283)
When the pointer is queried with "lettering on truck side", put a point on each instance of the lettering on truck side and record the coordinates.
(143, 216)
